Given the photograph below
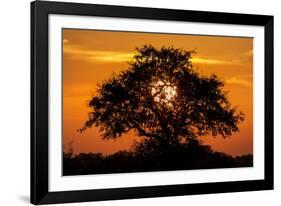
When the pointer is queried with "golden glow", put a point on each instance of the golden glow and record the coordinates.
(109, 56)
(209, 61)
(163, 92)
(100, 56)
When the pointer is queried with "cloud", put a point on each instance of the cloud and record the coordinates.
(97, 55)
(65, 41)
(108, 56)
(200, 60)
(121, 57)
(249, 53)
(241, 81)
(239, 59)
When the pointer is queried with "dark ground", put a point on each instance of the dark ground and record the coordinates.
(145, 158)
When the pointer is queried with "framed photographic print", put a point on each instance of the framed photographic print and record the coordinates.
(133, 102)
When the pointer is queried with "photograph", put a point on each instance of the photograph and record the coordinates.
(133, 102)
(146, 102)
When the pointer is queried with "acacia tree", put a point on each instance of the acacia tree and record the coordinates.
(163, 99)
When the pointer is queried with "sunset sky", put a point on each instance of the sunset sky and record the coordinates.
(90, 56)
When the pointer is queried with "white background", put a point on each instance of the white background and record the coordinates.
(14, 102)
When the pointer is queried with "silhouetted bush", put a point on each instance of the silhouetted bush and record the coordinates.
(146, 157)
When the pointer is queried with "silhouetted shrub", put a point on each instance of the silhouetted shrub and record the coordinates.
(146, 156)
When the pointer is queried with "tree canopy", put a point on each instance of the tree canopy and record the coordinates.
(164, 99)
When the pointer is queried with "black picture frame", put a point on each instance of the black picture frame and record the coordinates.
(39, 102)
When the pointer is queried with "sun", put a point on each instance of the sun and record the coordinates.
(163, 92)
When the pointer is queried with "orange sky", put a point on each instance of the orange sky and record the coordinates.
(91, 56)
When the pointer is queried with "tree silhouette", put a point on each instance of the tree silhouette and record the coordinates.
(163, 99)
